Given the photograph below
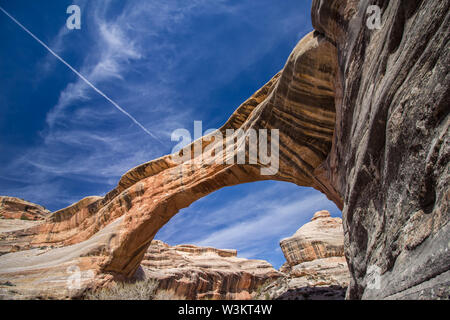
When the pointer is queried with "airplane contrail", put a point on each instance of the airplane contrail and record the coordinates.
(80, 75)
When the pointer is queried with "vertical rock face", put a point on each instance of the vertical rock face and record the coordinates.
(205, 273)
(15, 208)
(316, 267)
(323, 237)
(390, 155)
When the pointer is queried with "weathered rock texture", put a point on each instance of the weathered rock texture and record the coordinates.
(363, 117)
(205, 273)
(15, 208)
(390, 155)
(15, 215)
(315, 265)
(11, 236)
(323, 237)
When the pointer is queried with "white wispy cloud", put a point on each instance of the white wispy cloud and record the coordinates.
(270, 223)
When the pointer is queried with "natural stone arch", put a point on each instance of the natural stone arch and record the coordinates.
(299, 101)
(387, 167)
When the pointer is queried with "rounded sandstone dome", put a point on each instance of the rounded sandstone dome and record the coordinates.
(321, 214)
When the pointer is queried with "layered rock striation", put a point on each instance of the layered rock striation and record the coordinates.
(298, 102)
(205, 273)
(323, 237)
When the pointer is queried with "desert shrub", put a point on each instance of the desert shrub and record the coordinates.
(167, 295)
(24, 217)
(140, 290)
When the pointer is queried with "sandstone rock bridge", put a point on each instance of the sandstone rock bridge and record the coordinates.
(362, 116)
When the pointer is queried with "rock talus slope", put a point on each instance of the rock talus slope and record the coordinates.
(363, 117)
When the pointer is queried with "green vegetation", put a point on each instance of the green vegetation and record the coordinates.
(260, 293)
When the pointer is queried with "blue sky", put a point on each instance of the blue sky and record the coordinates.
(165, 62)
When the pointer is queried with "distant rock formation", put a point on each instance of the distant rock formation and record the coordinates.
(15, 208)
(363, 117)
(323, 237)
(205, 273)
(316, 268)
(16, 215)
